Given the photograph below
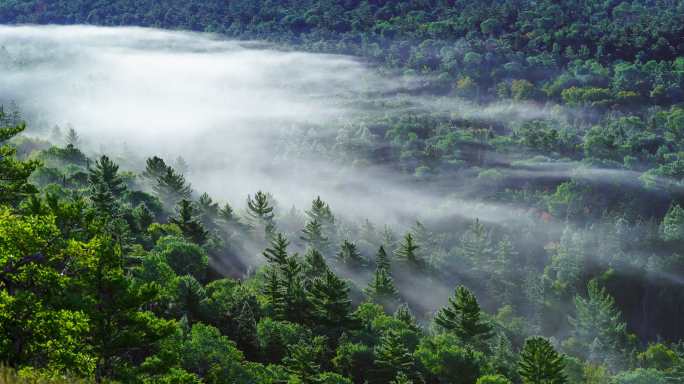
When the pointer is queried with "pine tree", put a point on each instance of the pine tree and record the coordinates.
(320, 212)
(598, 325)
(171, 187)
(503, 271)
(382, 259)
(106, 184)
(407, 251)
(404, 314)
(476, 244)
(462, 317)
(381, 288)
(349, 255)
(106, 173)
(246, 330)
(303, 360)
(313, 236)
(388, 237)
(14, 185)
(190, 295)
(155, 168)
(229, 221)
(277, 253)
(672, 228)
(227, 214)
(103, 199)
(422, 237)
(260, 214)
(208, 211)
(330, 303)
(314, 264)
(192, 229)
(540, 363)
(72, 138)
(143, 216)
(117, 325)
(392, 357)
(274, 291)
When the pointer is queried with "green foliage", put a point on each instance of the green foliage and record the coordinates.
(392, 357)
(260, 214)
(330, 303)
(353, 360)
(540, 363)
(493, 379)
(381, 288)
(408, 251)
(463, 317)
(171, 186)
(14, 174)
(104, 281)
(673, 224)
(658, 356)
(445, 359)
(598, 325)
(303, 360)
(349, 255)
(641, 376)
(276, 336)
(185, 258)
(191, 227)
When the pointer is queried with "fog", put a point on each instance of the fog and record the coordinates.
(243, 115)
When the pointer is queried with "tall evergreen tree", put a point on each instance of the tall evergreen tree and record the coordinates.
(260, 214)
(382, 259)
(320, 212)
(303, 360)
(190, 296)
(392, 357)
(171, 187)
(277, 253)
(274, 292)
(598, 325)
(103, 200)
(330, 303)
(381, 288)
(404, 314)
(155, 168)
(191, 227)
(463, 317)
(72, 139)
(312, 234)
(106, 172)
(208, 211)
(314, 264)
(106, 184)
(421, 235)
(408, 251)
(476, 244)
(295, 294)
(14, 185)
(540, 363)
(118, 327)
(349, 255)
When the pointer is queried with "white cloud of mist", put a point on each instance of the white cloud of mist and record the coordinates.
(222, 105)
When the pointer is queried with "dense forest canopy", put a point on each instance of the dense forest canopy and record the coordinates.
(342, 192)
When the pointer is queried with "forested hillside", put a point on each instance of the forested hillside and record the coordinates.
(549, 136)
(612, 52)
